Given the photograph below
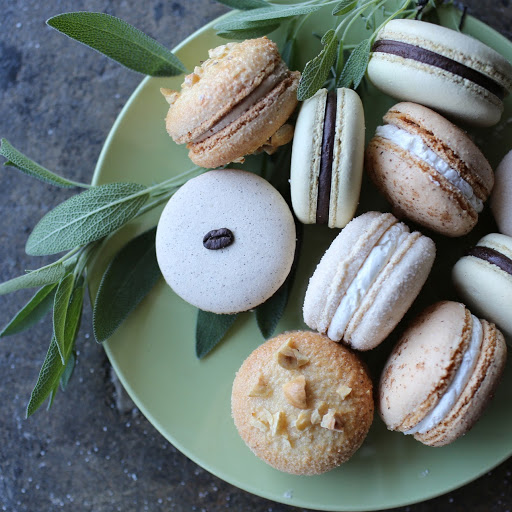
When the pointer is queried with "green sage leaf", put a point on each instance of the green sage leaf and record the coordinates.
(317, 70)
(343, 7)
(86, 217)
(73, 319)
(24, 164)
(68, 371)
(356, 65)
(32, 312)
(211, 328)
(128, 279)
(340, 60)
(260, 26)
(40, 277)
(248, 33)
(120, 41)
(244, 4)
(289, 53)
(60, 312)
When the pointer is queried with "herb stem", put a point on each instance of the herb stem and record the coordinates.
(389, 18)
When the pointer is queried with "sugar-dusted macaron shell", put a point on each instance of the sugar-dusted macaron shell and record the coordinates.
(335, 379)
(429, 85)
(486, 288)
(348, 154)
(243, 274)
(501, 197)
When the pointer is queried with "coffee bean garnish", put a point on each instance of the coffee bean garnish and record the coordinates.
(218, 238)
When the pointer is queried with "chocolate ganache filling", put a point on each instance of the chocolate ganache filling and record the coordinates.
(325, 176)
(410, 51)
(492, 256)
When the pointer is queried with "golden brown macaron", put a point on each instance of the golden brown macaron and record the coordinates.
(429, 169)
(441, 374)
(234, 104)
(302, 403)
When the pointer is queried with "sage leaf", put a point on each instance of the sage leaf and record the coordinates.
(40, 277)
(339, 61)
(289, 53)
(86, 217)
(68, 371)
(120, 41)
(73, 319)
(128, 279)
(356, 65)
(343, 7)
(60, 312)
(260, 26)
(210, 330)
(244, 4)
(248, 33)
(317, 70)
(49, 376)
(32, 312)
(24, 164)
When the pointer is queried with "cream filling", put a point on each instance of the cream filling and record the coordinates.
(372, 266)
(415, 145)
(263, 89)
(456, 387)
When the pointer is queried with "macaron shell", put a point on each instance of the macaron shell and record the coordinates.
(486, 288)
(392, 294)
(306, 157)
(251, 130)
(245, 273)
(476, 394)
(339, 265)
(229, 75)
(423, 364)
(501, 203)
(348, 156)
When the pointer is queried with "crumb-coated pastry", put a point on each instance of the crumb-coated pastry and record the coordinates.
(429, 169)
(367, 280)
(302, 403)
(441, 374)
(234, 104)
(483, 279)
(327, 158)
(225, 241)
(442, 69)
(501, 197)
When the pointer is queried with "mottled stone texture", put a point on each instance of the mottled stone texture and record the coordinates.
(58, 102)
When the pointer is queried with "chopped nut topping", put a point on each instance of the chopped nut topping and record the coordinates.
(169, 95)
(220, 51)
(261, 388)
(289, 357)
(303, 421)
(278, 424)
(332, 421)
(316, 415)
(295, 392)
(261, 419)
(343, 391)
(190, 80)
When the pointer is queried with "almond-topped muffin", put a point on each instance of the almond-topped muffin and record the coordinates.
(302, 403)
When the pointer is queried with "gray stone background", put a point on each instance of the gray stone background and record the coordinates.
(94, 451)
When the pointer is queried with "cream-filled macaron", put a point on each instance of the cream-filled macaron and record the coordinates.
(441, 374)
(441, 68)
(225, 241)
(327, 158)
(501, 196)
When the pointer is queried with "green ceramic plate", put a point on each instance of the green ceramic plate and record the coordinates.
(188, 400)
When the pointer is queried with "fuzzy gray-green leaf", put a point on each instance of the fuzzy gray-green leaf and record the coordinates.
(68, 371)
(317, 70)
(24, 164)
(40, 277)
(343, 7)
(60, 312)
(244, 4)
(248, 33)
(128, 279)
(356, 65)
(120, 41)
(86, 217)
(210, 330)
(33, 311)
(73, 318)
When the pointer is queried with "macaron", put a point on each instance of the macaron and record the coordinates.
(302, 403)
(441, 68)
(367, 279)
(501, 196)
(429, 169)
(226, 259)
(234, 104)
(483, 279)
(327, 158)
(441, 374)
